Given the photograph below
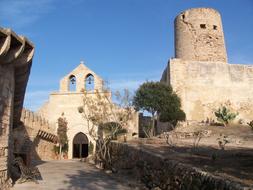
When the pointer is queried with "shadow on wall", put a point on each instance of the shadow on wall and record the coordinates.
(2, 108)
(25, 143)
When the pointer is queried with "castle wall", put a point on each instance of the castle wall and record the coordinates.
(6, 117)
(16, 53)
(204, 86)
(34, 138)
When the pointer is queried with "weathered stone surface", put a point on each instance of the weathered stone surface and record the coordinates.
(158, 172)
(34, 137)
(199, 73)
(204, 86)
(199, 36)
(16, 54)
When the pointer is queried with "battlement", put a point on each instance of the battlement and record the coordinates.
(36, 121)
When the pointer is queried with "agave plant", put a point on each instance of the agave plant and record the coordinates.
(224, 115)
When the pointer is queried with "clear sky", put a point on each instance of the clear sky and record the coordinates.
(126, 42)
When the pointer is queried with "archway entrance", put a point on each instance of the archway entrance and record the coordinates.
(80, 146)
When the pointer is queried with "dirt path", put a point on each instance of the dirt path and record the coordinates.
(72, 175)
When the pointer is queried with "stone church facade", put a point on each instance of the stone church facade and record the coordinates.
(68, 99)
(200, 74)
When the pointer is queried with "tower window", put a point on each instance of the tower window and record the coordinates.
(214, 27)
(183, 16)
(203, 26)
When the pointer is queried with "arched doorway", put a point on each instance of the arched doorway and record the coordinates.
(80, 146)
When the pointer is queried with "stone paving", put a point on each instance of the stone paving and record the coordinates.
(72, 175)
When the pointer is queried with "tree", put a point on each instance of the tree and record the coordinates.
(224, 115)
(105, 121)
(172, 110)
(158, 99)
(62, 133)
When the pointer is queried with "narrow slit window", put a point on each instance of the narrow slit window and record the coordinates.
(203, 26)
(214, 27)
(183, 16)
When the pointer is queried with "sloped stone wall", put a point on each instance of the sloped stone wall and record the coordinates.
(157, 172)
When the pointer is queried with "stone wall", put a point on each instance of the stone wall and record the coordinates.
(6, 103)
(16, 53)
(35, 138)
(143, 122)
(204, 86)
(157, 172)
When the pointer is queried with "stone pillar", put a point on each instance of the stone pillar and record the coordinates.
(6, 113)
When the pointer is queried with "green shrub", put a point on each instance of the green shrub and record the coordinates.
(91, 147)
(64, 148)
(224, 115)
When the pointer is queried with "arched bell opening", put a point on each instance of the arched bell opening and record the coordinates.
(89, 82)
(72, 83)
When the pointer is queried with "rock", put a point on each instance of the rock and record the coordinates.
(98, 166)
(108, 171)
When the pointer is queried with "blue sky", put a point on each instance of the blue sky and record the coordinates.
(126, 42)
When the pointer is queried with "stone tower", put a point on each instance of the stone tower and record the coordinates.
(199, 36)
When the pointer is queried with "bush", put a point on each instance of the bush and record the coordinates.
(91, 147)
(224, 115)
(64, 148)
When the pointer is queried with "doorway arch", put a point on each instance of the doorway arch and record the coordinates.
(80, 146)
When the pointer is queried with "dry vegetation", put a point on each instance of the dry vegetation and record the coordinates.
(233, 161)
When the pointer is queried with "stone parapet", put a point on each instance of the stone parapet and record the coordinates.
(36, 122)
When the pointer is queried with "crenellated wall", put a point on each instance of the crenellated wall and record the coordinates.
(37, 122)
(35, 138)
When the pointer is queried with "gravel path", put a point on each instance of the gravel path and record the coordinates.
(72, 175)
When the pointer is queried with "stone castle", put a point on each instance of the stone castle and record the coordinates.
(200, 74)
